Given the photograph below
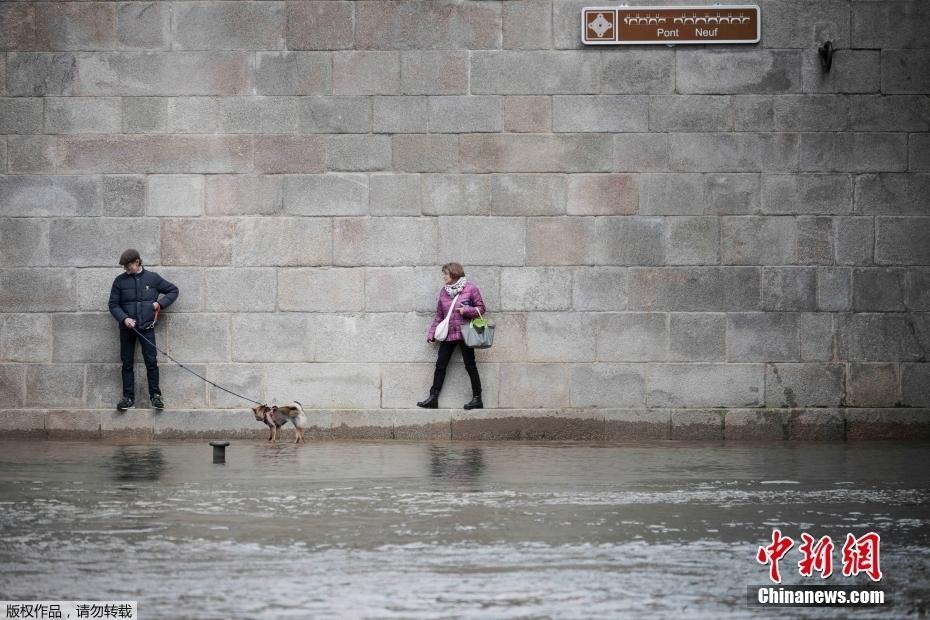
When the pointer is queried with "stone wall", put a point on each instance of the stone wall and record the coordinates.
(654, 229)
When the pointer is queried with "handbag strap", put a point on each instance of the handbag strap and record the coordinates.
(449, 313)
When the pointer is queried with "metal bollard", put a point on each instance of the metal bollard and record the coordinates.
(219, 451)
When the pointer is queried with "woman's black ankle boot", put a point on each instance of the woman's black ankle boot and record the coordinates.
(475, 402)
(431, 402)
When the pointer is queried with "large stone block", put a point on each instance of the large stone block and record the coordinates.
(83, 115)
(600, 288)
(817, 338)
(900, 424)
(807, 193)
(509, 339)
(534, 386)
(637, 71)
(746, 71)
(876, 289)
(425, 153)
(334, 114)
(755, 240)
(873, 385)
(692, 240)
(834, 289)
(672, 194)
(915, 385)
(532, 73)
(123, 195)
(13, 384)
(560, 241)
(196, 241)
(465, 114)
(632, 337)
(897, 24)
(143, 25)
(902, 240)
(23, 423)
(878, 337)
(154, 154)
(855, 240)
(80, 337)
(704, 385)
(762, 337)
(83, 26)
(629, 241)
(889, 113)
(245, 379)
(175, 194)
(440, 72)
(273, 337)
(44, 196)
(905, 71)
(296, 241)
(815, 240)
(528, 114)
(38, 74)
(181, 73)
(240, 289)
(536, 288)
(528, 194)
(697, 425)
(789, 288)
(230, 26)
(374, 337)
(536, 153)
(852, 71)
(54, 385)
(919, 152)
(277, 154)
(326, 194)
(705, 289)
(199, 337)
(424, 24)
(253, 115)
(321, 289)
(400, 114)
(359, 153)
(366, 73)
(24, 242)
(804, 25)
(805, 385)
(25, 337)
(18, 26)
(325, 386)
(384, 241)
(871, 152)
(394, 194)
(697, 337)
(145, 114)
(625, 424)
(891, 193)
(402, 385)
(752, 424)
(608, 385)
(600, 113)
(21, 115)
(690, 113)
(99, 241)
(602, 194)
(560, 337)
(820, 424)
(401, 289)
(482, 241)
(238, 194)
(320, 25)
(421, 424)
(918, 289)
(810, 113)
(516, 16)
(641, 152)
(293, 73)
(733, 152)
(38, 290)
(458, 194)
(732, 194)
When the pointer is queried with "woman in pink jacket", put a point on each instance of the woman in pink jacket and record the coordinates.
(467, 307)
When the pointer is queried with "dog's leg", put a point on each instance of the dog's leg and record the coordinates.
(274, 433)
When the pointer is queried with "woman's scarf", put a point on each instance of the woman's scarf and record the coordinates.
(456, 287)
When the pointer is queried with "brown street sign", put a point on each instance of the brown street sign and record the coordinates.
(651, 25)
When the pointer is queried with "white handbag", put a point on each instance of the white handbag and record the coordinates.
(442, 330)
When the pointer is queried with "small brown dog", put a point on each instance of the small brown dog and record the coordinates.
(277, 416)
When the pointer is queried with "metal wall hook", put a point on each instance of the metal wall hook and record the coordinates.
(825, 52)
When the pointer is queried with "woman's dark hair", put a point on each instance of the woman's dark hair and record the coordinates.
(455, 270)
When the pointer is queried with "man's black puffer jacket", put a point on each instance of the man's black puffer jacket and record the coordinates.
(132, 296)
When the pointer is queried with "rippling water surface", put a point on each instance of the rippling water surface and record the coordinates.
(451, 530)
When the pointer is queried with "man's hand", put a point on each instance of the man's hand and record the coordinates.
(130, 323)
(155, 305)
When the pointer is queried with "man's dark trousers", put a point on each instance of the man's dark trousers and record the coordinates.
(127, 350)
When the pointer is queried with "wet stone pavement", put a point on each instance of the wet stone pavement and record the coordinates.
(452, 529)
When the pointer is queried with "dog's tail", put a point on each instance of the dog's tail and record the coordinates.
(298, 402)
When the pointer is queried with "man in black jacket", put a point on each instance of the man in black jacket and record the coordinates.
(134, 303)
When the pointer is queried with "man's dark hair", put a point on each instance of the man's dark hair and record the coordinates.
(129, 256)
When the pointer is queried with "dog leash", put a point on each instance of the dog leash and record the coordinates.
(165, 353)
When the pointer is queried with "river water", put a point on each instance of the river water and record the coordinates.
(451, 529)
